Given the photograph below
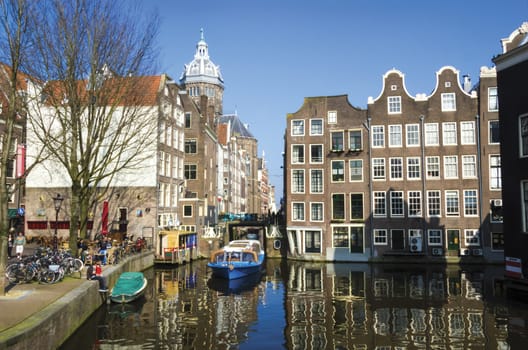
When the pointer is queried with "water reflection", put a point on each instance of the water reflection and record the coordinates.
(296, 305)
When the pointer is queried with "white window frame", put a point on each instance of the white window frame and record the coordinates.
(378, 136)
(490, 123)
(298, 187)
(435, 239)
(493, 99)
(449, 166)
(395, 132)
(296, 159)
(332, 171)
(379, 204)
(469, 166)
(435, 202)
(337, 147)
(495, 172)
(467, 133)
(394, 105)
(321, 211)
(312, 171)
(350, 146)
(432, 134)
(474, 211)
(297, 127)
(448, 102)
(396, 197)
(394, 166)
(352, 173)
(414, 168)
(378, 169)
(414, 205)
(429, 166)
(331, 117)
(312, 133)
(380, 236)
(312, 161)
(452, 194)
(523, 136)
(412, 135)
(472, 237)
(298, 211)
(449, 134)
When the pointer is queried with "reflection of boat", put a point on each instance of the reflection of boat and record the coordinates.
(125, 310)
(129, 286)
(238, 259)
(234, 286)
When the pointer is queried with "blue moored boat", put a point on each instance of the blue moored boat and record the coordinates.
(129, 286)
(238, 259)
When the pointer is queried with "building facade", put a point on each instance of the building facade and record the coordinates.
(407, 177)
(512, 69)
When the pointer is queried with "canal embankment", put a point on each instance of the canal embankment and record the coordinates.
(49, 327)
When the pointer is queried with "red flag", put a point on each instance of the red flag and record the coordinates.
(20, 161)
(104, 221)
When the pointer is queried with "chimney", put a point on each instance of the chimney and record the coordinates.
(467, 83)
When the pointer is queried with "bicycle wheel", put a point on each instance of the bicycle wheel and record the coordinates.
(77, 265)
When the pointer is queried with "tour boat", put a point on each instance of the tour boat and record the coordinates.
(129, 286)
(240, 258)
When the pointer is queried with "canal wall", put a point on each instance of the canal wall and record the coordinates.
(50, 327)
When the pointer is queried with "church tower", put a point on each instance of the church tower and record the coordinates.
(201, 77)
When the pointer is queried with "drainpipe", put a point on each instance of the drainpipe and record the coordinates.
(369, 121)
(424, 194)
(479, 176)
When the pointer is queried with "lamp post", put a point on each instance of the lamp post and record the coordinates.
(57, 202)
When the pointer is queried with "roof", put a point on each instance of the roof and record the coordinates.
(238, 128)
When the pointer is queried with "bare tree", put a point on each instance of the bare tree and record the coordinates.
(16, 24)
(92, 116)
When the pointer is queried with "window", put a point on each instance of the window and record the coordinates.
(297, 211)
(316, 181)
(448, 102)
(378, 136)
(338, 171)
(316, 211)
(190, 146)
(470, 203)
(524, 197)
(395, 135)
(190, 171)
(316, 126)
(452, 203)
(380, 205)
(497, 241)
(432, 137)
(433, 167)
(356, 170)
(494, 131)
(496, 210)
(495, 172)
(434, 237)
(523, 129)
(187, 211)
(396, 168)
(413, 168)
(338, 206)
(493, 99)
(354, 140)
(298, 181)
(337, 141)
(450, 167)
(297, 128)
(469, 167)
(472, 237)
(312, 239)
(297, 154)
(394, 104)
(415, 203)
(433, 203)
(332, 117)
(413, 135)
(378, 168)
(380, 237)
(396, 203)
(316, 154)
(356, 206)
(449, 134)
(187, 120)
(467, 133)
(340, 237)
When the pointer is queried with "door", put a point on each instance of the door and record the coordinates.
(398, 239)
(453, 240)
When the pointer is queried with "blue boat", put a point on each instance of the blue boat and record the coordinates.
(238, 259)
(129, 287)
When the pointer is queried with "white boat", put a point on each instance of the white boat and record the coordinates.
(238, 259)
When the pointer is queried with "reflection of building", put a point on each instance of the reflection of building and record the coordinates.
(407, 177)
(512, 70)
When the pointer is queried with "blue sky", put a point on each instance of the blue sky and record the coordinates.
(274, 53)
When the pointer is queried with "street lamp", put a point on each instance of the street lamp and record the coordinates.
(57, 202)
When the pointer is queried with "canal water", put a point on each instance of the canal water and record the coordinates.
(299, 305)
